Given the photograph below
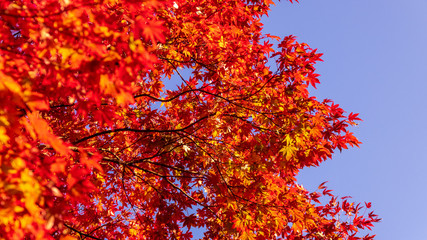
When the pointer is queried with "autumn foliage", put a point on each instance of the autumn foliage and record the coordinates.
(148, 119)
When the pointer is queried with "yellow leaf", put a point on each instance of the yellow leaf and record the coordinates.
(105, 31)
(124, 98)
(107, 86)
(221, 42)
(133, 232)
(8, 83)
(66, 52)
(214, 134)
(3, 136)
(18, 209)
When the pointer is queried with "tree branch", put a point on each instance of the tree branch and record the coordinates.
(81, 233)
(141, 130)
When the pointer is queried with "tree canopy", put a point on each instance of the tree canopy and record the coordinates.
(96, 143)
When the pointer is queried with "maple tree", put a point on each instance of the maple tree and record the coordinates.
(95, 144)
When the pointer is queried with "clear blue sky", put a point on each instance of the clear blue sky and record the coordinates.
(375, 63)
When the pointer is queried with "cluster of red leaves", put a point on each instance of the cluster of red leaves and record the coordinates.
(93, 145)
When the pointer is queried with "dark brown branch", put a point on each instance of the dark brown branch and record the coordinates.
(179, 189)
(165, 177)
(141, 130)
(81, 233)
(127, 197)
(172, 167)
(146, 182)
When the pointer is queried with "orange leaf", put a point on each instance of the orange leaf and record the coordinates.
(41, 127)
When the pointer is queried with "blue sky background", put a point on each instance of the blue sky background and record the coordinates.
(375, 63)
